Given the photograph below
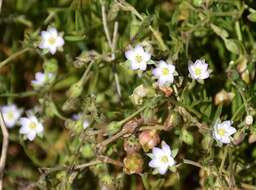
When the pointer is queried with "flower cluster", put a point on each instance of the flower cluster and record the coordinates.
(164, 72)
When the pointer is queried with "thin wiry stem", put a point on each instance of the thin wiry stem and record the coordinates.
(4, 149)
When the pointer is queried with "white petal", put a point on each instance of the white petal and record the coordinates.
(31, 135)
(134, 65)
(39, 128)
(156, 72)
(45, 35)
(143, 66)
(162, 64)
(146, 56)
(52, 49)
(24, 121)
(231, 130)
(129, 54)
(163, 169)
(24, 130)
(157, 151)
(59, 42)
(139, 50)
(171, 161)
(166, 148)
(204, 75)
(53, 32)
(85, 124)
(225, 140)
(155, 163)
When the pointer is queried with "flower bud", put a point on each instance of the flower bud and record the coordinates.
(131, 145)
(87, 151)
(249, 120)
(51, 66)
(138, 94)
(238, 137)
(149, 139)
(246, 76)
(75, 90)
(198, 2)
(133, 163)
(70, 104)
(173, 120)
(223, 97)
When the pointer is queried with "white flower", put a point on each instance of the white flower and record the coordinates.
(41, 79)
(164, 72)
(86, 123)
(161, 158)
(11, 114)
(30, 126)
(51, 40)
(248, 119)
(138, 58)
(223, 131)
(199, 70)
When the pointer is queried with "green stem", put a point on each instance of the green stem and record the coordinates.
(13, 56)
(223, 159)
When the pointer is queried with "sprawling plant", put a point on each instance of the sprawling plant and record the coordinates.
(117, 94)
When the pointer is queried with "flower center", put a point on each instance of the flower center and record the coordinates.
(165, 71)
(221, 132)
(164, 159)
(10, 115)
(198, 71)
(32, 125)
(138, 58)
(52, 40)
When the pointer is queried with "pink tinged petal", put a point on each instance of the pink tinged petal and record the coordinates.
(156, 72)
(165, 80)
(166, 148)
(155, 163)
(134, 65)
(129, 54)
(139, 50)
(24, 129)
(31, 135)
(45, 35)
(204, 67)
(146, 56)
(59, 41)
(163, 169)
(143, 66)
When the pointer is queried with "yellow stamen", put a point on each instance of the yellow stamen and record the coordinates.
(198, 71)
(165, 71)
(164, 159)
(52, 40)
(32, 125)
(138, 58)
(221, 132)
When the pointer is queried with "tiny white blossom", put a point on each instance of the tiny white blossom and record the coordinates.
(138, 58)
(223, 131)
(86, 123)
(164, 72)
(11, 114)
(161, 158)
(51, 40)
(248, 119)
(30, 127)
(41, 79)
(199, 70)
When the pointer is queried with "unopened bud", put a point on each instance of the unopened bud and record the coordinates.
(246, 76)
(113, 127)
(223, 97)
(75, 90)
(242, 65)
(149, 139)
(131, 144)
(238, 137)
(138, 94)
(51, 66)
(133, 163)
(248, 119)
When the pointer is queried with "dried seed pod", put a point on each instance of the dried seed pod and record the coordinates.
(133, 163)
(252, 138)
(238, 137)
(166, 90)
(149, 139)
(223, 97)
(173, 120)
